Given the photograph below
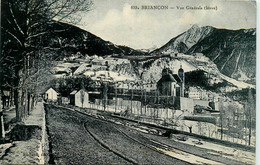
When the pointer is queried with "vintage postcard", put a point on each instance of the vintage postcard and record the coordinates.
(128, 82)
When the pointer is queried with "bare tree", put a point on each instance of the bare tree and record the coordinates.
(24, 25)
(221, 118)
(2, 129)
(250, 114)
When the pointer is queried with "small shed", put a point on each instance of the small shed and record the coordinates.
(79, 98)
(51, 94)
(63, 100)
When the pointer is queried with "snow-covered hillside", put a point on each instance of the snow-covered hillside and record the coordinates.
(124, 69)
(153, 72)
(233, 51)
(237, 83)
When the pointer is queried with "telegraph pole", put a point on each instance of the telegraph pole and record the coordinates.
(145, 101)
(167, 104)
(158, 103)
(141, 100)
(115, 98)
(250, 125)
(132, 100)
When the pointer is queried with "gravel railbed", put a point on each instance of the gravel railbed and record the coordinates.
(109, 134)
(71, 144)
(115, 139)
(202, 152)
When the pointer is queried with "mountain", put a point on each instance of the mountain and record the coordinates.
(183, 42)
(68, 39)
(233, 51)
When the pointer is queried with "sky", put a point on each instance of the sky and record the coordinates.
(115, 21)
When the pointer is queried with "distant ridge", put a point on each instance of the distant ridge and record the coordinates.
(69, 39)
(233, 51)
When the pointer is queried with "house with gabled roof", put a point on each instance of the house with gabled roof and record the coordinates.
(79, 98)
(51, 94)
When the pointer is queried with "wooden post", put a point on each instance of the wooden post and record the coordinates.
(132, 100)
(158, 101)
(167, 105)
(141, 101)
(154, 95)
(28, 103)
(115, 98)
(250, 125)
(221, 126)
(145, 101)
(140, 114)
(105, 96)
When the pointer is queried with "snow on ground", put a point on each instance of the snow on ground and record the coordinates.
(22, 152)
(27, 151)
(4, 147)
(187, 156)
(187, 67)
(61, 69)
(199, 128)
(243, 76)
(114, 75)
(216, 149)
(59, 75)
(89, 73)
(209, 130)
(212, 68)
(67, 65)
(81, 68)
(154, 72)
(224, 151)
(239, 84)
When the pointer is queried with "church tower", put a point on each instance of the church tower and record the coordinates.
(165, 71)
(181, 75)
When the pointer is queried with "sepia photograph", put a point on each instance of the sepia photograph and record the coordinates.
(128, 82)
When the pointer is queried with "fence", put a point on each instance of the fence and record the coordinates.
(173, 111)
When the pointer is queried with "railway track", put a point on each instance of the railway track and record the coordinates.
(164, 149)
(133, 142)
(72, 144)
(159, 147)
(151, 144)
(106, 146)
(171, 151)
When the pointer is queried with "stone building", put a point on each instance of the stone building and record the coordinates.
(171, 84)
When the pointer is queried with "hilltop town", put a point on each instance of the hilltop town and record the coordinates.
(68, 96)
(159, 92)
